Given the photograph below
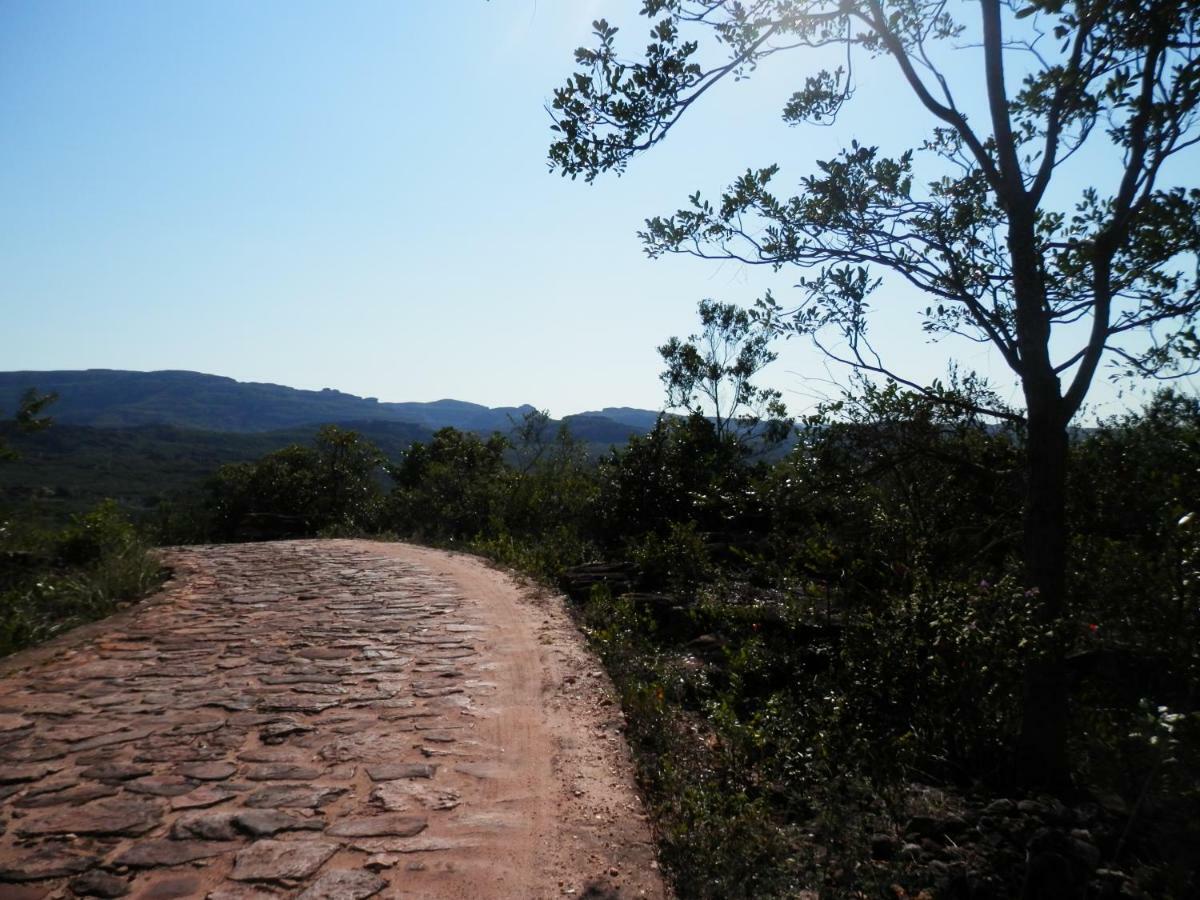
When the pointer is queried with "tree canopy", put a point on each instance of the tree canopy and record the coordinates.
(968, 217)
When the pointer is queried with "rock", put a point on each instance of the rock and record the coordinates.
(395, 796)
(312, 678)
(1048, 876)
(292, 796)
(161, 785)
(205, 827)
(1087, 854)
(20, 774)
(281, 860)
(953, 826)
(176, 888)
(387, 825)
(114, 771)
(207, 771)
(1031, 808)
(344, 885)
(81, 793)
(282, 772)
(287, 755)
(202, 797)
(387, 846)
(278, 732)
(922, 826)
(302, 703)
(99, 884)
(205, 727)
(397, 771)
(230, 891)
(110, 740)
(42, 862)
(269, 822)
(10, 723)
(884, 847)
(1000, 807)
(151, 854)
(119, 816)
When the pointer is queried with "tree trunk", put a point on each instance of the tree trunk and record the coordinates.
(1041, 759)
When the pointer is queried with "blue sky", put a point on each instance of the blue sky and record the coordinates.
(355, 195)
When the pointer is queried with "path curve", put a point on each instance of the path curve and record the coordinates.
(320, 719)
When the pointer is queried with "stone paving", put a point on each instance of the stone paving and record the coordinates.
(284, 723)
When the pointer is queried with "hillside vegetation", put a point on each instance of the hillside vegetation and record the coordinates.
(819, 654)
(820, 657)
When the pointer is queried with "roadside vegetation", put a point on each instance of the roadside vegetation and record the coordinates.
(820, 654)
(819, 642)
(54, 578)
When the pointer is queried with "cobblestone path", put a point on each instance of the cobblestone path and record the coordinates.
(319, 719)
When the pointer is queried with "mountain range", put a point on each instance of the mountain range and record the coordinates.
(139, 437)
(111, 398)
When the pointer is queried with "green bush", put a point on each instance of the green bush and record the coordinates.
(57, 580)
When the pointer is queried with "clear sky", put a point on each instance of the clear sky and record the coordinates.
(355, 195)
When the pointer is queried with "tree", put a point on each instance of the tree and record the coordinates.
(450, 488)
(979, 232)
(300, 490)
(711, 372)
(28, 418)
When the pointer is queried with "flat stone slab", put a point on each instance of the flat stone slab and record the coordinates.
(397, 771)
(207, 771)
(202, 797)
(99, 884)
(291, 796)
(281, 860)
(44, 862)
(282, 772)
(152, 854)
(343, 884)
(386, 825)
(116, 771)
(161, 785)
(19, 774)
(111, 817)
(395, 796)
(232, 825)
(10, 723)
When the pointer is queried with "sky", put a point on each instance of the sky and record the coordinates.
(355, 195)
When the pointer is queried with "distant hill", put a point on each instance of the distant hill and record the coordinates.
(111, 398)
(140, 436)
(108, 398)
(641, 419)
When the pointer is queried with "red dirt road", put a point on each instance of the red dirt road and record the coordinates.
(320, 719)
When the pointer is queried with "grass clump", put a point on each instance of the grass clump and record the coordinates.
(51, 581)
